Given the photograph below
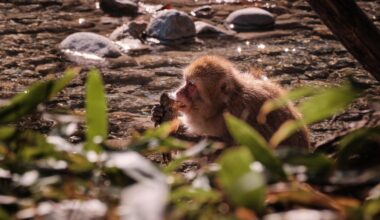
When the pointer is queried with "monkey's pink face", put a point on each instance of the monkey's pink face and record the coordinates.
(186, 95)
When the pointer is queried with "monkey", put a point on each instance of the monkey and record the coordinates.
(213, 86)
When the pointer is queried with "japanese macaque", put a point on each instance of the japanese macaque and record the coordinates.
(213, 86)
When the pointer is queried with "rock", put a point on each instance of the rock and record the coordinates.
(122, 61)
(249, 19)
(46, 68)
(132, 46)
(119, 7)
(132, 29)
(203, 12)
(203, 28)
(90, 44)
(171, 27)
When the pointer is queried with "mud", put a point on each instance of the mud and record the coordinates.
(299, 51)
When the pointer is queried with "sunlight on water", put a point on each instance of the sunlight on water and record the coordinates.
(129, 44)
(83, 55)
(149, 8)
(81, 20)
(238, 49)
(261, 46)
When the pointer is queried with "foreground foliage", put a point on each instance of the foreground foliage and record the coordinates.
(49, 176)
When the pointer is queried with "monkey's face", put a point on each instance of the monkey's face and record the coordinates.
(186, 95)
(200, 97)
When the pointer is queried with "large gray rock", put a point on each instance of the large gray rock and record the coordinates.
(90, 44)
(171, 27)
(119, 7)
(249, 19)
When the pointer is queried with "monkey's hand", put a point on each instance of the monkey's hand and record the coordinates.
(165, 111)
(157, 114)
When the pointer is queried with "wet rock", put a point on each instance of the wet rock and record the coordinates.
(132, 46)
(46, 68)
(250, 19)
(122, 61)
(203, 12)
(171, 27)
(90, 44)
(119, 7)
(203, 28)
(132, 29)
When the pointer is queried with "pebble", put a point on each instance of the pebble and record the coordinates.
(46, 68)
(203, 12)
(203, 28)
(119, 7)
(171, 27)
(132, 29)
(250, 19)
(90, 44)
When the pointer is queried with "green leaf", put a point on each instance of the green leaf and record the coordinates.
(61, 83)
(96, 112)
(318, 166)
(282, 101)
(321, 106)
(359, 149)
(78, 163)
(27, 101)
(371, 209)
(243, 186)
(247, 136)
(6, 132)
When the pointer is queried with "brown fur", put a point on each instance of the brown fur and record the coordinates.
(222, 88)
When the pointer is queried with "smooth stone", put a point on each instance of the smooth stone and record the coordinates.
(203, 12)
(90, 44)
(171, 27)
(132, 46)
(119, 7)
(249, 19)
(132, 29)
(203, 28)
(46, 68)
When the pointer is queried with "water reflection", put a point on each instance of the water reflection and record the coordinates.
(88, 56)
(238, 49)
(261, 46)
(81, 20)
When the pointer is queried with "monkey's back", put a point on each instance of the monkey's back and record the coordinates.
(247, 103)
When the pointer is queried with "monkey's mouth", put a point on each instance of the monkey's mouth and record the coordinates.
(181, 105)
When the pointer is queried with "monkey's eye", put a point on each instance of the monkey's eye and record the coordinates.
(191, 88)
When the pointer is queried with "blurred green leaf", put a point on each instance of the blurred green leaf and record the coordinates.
(196, 195)
(318, 166)
(27, 101)
(372, 209)
(247, 136)
(359, 149)
(282, 101)
(6, 132)
(321, 106)
(4, 215)
(78, 163)
(61, 83)
(242, 185)
(96, 112)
